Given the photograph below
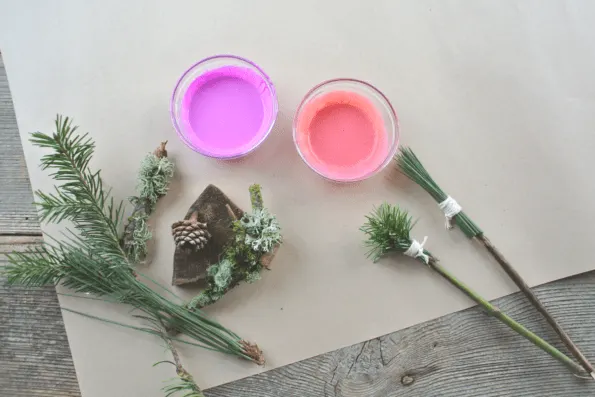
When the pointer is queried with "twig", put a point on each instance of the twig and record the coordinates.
(140, 210)
(187, 379)
(388, 230)
(518, 280)
(136, 232)
(411, 166)
(253, 246)
(143, 204)
(495, 312)
(256, 197)
(188, 384)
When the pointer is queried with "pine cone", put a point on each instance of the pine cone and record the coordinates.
(189, 233)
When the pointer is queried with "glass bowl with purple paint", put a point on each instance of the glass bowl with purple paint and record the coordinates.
(224, 106)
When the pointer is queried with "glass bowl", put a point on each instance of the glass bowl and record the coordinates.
(346, 130)
(224, 106)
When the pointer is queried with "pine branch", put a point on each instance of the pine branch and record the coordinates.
(91, 259)
(80, 198)
(408, 164)
(186, 383)
(388, 230)
(411, 166)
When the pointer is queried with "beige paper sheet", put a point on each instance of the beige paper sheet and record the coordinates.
(497, 98)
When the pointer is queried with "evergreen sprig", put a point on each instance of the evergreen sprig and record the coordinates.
(91, 259)
(80, 198)
(388, 230)
(408, 163)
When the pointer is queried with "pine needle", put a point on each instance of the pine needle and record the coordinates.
(410, 166)
(90, 259)
(408, 163)
(388, 230)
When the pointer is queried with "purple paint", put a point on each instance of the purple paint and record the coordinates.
(226, 111)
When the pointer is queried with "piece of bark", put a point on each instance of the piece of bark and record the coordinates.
(190, 266)
(267, 258)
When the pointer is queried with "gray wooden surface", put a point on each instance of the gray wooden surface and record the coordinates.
(462, 354)
(17, 215)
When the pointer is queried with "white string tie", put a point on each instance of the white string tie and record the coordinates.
(416, 250)
(451, 208)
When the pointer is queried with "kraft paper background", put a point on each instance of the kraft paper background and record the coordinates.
(496, 97)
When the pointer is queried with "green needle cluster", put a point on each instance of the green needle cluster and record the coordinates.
(388, 230)
(409, 164)
(89, 259)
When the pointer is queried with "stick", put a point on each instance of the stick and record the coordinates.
(256, 197)
(181, 371)
(185, 376)
(495, 312)
(137, 219)
(411, 166)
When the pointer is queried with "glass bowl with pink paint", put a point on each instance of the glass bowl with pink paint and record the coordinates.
(346, 130)
(224, 106)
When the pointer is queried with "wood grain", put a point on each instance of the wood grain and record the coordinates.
(463, 354)
(17, 215)
(34, 354)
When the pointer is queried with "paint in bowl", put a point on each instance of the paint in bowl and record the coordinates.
(346, 130)
(224, 106)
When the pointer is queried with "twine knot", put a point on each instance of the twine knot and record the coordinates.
(451, 208)
(416, 250)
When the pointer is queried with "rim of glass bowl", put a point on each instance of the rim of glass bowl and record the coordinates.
(388, 107)
(179, 93)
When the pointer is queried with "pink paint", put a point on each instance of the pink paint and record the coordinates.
(224, 112)
(342, 135)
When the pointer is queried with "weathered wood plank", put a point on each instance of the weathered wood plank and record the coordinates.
(34, 354)
(17, 215)
(462, 354)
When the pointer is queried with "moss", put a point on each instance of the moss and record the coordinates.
(222, 278)
(256, 234)
(262, 230)
(136, 246)
(256, 197)
(212, 270)
(253, 277)
(201, 300)
(153, 178)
